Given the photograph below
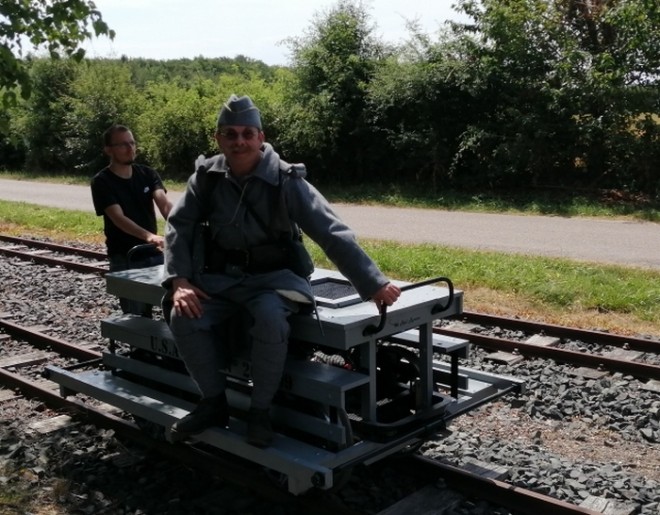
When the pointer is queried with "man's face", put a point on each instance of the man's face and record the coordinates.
(122, 148)
(241, 146)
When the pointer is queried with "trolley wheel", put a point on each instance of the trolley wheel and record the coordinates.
(410, 449)
(341, 478)
(151, 429)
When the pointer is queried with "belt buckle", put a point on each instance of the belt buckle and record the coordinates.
(241, 261)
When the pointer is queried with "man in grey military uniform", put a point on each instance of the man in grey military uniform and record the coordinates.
(234, 193)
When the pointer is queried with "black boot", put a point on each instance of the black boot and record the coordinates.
(212, 411)
(259, 429)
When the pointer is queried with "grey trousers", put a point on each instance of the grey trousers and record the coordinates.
(203, 353)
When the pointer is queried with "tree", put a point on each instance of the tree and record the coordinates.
(176, 125)
(333, 65)
(420, 102)
(563, 85)
(100, 95)
(58, 25)
(40, 121)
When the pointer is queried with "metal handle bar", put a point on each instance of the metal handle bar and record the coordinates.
(374, 329)
(139, 248)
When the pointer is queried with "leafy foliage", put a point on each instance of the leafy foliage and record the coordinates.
(176, 126)
(326, 105)
(417, 102)
(178, 122)
(58, 25)
(40, 122)
(562, 94)
(101, 94)
(185, 72)
(528, 94)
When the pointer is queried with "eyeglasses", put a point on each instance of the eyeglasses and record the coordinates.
(232, 135)
(125, 144)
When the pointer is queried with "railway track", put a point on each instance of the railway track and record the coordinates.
(635, 356)
(629, 355)
(79, 356)
(429, 472)
(522, 501)
(52, 254)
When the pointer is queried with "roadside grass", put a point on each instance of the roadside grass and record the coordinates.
(593, 296)
(19, 496)
(61, 224)
(588, 295)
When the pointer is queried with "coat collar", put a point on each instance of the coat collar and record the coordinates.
(268, 169)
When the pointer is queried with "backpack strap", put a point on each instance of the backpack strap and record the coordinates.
(206, 182)
(289, 172)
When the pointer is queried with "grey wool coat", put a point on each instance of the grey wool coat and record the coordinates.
(233, 227)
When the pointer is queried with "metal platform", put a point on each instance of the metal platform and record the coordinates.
(344, 319)
(359, 425)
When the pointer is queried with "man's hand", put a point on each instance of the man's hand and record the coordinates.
(159, 241)
(186, 297)
(387, 295)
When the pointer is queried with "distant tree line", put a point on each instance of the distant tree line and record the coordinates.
(529, 93)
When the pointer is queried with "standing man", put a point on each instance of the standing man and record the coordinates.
(124, 194)
(250, 198)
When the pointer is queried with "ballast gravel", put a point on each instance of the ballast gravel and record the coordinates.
(567, 436)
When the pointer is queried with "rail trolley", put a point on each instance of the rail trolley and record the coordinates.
(358, 385)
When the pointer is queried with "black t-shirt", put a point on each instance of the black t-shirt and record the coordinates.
(134, 196)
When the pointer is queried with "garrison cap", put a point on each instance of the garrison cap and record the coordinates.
(239, 111)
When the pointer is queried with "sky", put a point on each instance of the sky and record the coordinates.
(171, 29)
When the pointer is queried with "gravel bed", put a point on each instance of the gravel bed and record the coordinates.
(567, 436)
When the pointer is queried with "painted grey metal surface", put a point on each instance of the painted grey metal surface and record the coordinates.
(441, 391)
(343, 325)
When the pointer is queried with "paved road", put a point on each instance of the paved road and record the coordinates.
(605, 241)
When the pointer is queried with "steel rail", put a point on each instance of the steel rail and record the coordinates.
(639, 344)
(588, 336)
(501, 493)
(55, 247)
(41, 340)
(248, 475)
(251, 477)
(498, 492)
(644, 370)
(51, 261)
